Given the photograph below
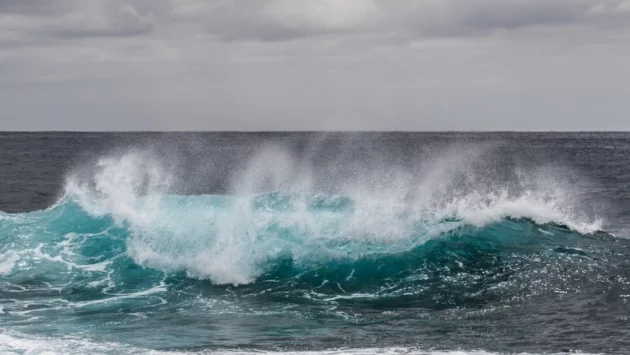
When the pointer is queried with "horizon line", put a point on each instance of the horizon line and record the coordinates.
(313, 131)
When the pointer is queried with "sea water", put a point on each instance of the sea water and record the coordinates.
(313, 243)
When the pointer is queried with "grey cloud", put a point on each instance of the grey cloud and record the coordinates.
(34, 7)
(42, 21)
(278, 20)
(435, 18)
(124, 20)
(515, 14)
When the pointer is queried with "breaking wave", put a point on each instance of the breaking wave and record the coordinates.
(241, 238)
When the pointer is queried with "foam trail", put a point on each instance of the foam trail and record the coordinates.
(13, 342)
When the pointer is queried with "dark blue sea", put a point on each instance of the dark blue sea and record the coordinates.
(315, 243)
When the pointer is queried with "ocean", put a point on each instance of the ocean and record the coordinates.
(315, 243)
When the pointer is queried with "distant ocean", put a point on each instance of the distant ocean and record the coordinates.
(315, 243)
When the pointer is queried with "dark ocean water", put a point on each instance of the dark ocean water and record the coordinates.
(423, 243)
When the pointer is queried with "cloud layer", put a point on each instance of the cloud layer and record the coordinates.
(276, 20)
(314, 64)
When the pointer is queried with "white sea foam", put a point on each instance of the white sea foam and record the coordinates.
(8, 262)
(116, 298)
(19, 343)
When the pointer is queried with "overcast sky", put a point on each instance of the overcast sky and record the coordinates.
(315, 65)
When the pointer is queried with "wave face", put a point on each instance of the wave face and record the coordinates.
(403, 265)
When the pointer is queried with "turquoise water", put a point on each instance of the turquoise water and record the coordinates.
(379, 246)
(221, 272)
